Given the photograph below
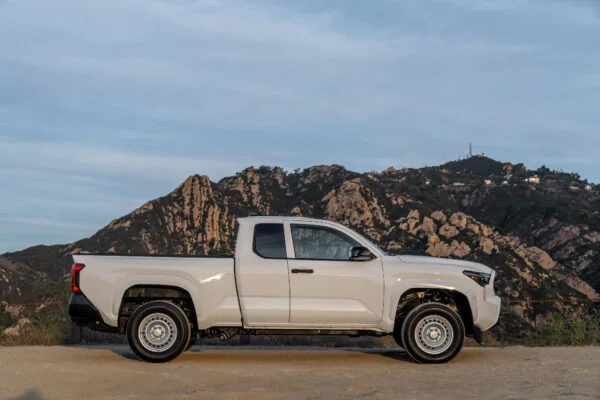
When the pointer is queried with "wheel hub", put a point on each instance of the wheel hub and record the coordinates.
(157, 332)
(434, 334)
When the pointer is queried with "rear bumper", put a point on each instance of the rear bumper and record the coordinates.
(83, 313)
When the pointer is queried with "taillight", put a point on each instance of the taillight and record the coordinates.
(75, 278)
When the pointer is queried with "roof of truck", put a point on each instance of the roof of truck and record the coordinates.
(282, 218)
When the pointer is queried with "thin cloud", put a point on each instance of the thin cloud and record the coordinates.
(587, 81)
(485, 5)
(108, 161)
(45, 223)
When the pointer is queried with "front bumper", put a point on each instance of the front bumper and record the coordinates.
(488, 313)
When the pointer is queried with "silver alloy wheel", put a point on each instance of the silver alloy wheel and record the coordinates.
(157, 332)
(434, 334)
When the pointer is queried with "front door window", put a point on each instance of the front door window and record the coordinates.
(312, 242)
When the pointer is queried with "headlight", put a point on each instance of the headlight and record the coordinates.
(481, 278)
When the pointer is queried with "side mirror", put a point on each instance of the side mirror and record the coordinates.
(360, 253)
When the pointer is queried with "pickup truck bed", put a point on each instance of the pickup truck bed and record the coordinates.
(105, 286)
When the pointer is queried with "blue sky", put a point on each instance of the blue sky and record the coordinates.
(106, 104)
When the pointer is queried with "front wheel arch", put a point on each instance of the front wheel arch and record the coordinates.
(455, 299)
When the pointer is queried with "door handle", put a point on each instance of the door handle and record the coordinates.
(302, 271)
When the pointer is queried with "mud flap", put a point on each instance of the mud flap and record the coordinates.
(478, 335)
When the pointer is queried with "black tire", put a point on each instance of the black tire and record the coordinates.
(158, 331)
(432, 333)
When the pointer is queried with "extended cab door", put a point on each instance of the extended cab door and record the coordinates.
(262, 274)
(326, 287)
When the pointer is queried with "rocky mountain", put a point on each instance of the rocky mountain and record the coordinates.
(539, 229)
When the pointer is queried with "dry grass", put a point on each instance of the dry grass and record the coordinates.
(34, 336)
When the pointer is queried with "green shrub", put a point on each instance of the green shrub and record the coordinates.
(567, 330)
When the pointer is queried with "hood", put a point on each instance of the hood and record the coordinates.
(466, 265)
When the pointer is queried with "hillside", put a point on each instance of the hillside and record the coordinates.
(541, 235)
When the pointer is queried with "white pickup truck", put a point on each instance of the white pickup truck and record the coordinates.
(288, 276)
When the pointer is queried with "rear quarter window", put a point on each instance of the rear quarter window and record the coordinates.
(269, 241)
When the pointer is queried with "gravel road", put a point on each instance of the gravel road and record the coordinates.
(111, 372)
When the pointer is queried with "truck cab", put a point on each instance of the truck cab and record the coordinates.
(302, 273)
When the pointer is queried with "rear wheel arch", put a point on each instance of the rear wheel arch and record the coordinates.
(138, 295)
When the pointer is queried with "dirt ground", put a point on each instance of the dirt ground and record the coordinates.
(111, 372)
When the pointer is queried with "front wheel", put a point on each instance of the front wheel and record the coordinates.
(432, 333)
(158, 331)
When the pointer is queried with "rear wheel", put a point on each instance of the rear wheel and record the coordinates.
(432, 333)
(158, 331)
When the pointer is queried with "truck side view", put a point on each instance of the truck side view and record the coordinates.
(289, 276)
